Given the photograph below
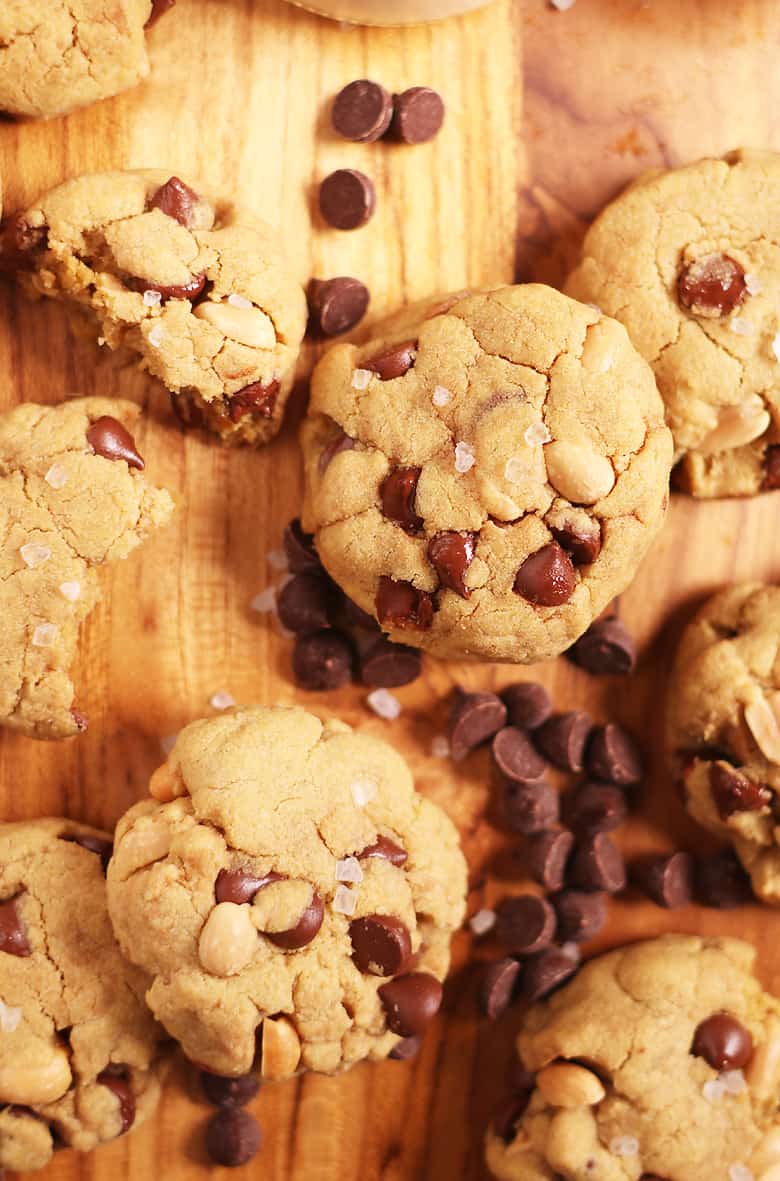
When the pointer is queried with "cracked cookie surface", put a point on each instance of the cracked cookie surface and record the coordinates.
(689, 261)
(659, 1062)
(488, 474)
(723, 725)
(72, 497)
(80, 1055)
(289, 892)
(196, 290)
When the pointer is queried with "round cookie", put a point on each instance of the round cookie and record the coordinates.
(197, 290)
(290, 894)
(723, 725)
(658, 1062)
(689, 261)
(488, 474)
(80, 1055)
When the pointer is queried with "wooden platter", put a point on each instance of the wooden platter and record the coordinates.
(548, 115)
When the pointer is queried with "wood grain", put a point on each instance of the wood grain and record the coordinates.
(239, 97)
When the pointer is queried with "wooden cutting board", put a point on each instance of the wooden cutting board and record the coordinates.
(548, 115)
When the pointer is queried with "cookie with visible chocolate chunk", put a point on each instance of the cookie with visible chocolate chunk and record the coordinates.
(689, 261)
(723, 725)
(196, 290)
(81, 1058)
(72, 497)
(485, 475)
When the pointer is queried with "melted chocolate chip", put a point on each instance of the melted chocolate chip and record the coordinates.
(723, 1042)
(393, 362)
(411, 1002)
(176, 200)
(13, 938)
(240, 885)
(256, 399)
(398, 492)
(381, 944)
(451, 553)
(401, 605)
(712, 286)
(734, 792)
(546, 578)
(109, 438)
(117, 1079)
(189, 291)
(386, 849)
(304, 930)
(103, 846)
(583, 545)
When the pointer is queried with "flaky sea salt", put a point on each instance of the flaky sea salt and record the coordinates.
(265, 601)
(34, 555)
(156, 336)
(44, 635)
(167, 743)
(753, 284)
(714, 1089)
(348, 870)
(482, 922)
(361, 378)
(624, 1146)
(515, 470)
(464, 457)
(152, 299)
(239, 301)
(537, 434)
(562, 5)
(344, 900)
(441, 396)
(440, 747)
(384, 704)
(741, 326)
(221, 700)
(56, 477)
(9, 1017)
(70, 591)
(277, 559)
(572, 951)
(740, 1172)
(733, 1081)
(363, 791)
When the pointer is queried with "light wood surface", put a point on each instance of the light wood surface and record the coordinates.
(548, 114)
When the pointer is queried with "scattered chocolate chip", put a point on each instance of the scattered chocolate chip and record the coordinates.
(474, 718)
(595, 807)
(721, 882)
(515, 756)
(545, 972)
(606, 649)
(723, 1042)
(530, 807)
(386, 849)
(176, 200)
(712, 286)
(158, 8)
(666, 878)
(362, 111)
(355, 616)
(232, 1137)
(527, 704)
(393, 362)
(548, 853)
(304, 603)
(408, 1047)
(598, 865)
(563, 737)
(347, 199)
(381, 944)
(451, 553)
(304, 930)
(580, 915)
(117, 1079)
(499, 983)
(397, 493)
(341, 441)
(525, 925)
(189, 291)
(336, 305)
(322, 660)
(385, 665)
(507, 1119)
(229, 1092)
(613, 756)
(401, 605)
(417, 115)
(103, 846)
(13, 939)
(583, 546)
(771, 468)
(734, 792)
(411, 1002)
(300, 550)
(256, 399)
(546, 578)
(109, 438)
(240, 885)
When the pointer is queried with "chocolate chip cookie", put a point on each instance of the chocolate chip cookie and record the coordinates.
(723, 725)
(657, 1062)
(72, 497)
(80, 1055)
(290, 894)
(689, 261)
(197, 291)
(488, 474)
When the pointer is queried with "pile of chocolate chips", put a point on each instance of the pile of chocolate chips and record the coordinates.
(335, 641)
(233, 1136)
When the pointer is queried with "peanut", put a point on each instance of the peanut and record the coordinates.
(281, 1049)
(579, 474)
(602, 341)
(228, 940)
(249, 326)
(762, 723)
(148, 841)
(763, 1070)
(565, 1084)
(166, 784)
(42, 1077)
(737, 425)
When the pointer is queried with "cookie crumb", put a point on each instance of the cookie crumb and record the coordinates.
(361, 379)
(440, 747)
(152, 299)
(464, 457)
(221, 700)
(363, 791)
(344, 900)
(348, 870)
(9, 1018)
(482, 922)
(34, 555)
(264, 601)
(384, 704)
(441, 396)
(70, 591)
(537, 433)
(56, 477)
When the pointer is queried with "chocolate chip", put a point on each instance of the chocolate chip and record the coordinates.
(322, 660)
(721, 882)
(563, 737)
(381, 944)
(158, 8)
(734, 792)
(300, 549)
(398, 492)
(103, 846)
(451, 553)
(304, 603)
(548, 853)
(229, 1092)
(507, 1119)
(546, 578)
(13, 938)
(515, 756)
(771, 468)
(109, 438)
(189, 291)
(336, 305)
(347, 199)
(240, 885)
(584, 546)
(176, 200)
(257, 399)
(499, 982)
(530, 807)
(598, 865)
(723, 1042)
(527, 704)
(474, 718)
(385, 665)
(613, 756)
(525, 925)
(595, 807)
(408, 1047)
(580, 915)
(411, 1002)
(355, 616)
(386, 849)
(545, 972)
(117, 1079)
(401, 605)
(341, 441)
(362, 111)
(417, 116)
(606, 649)
(393, 362)
(232, 1137)
(712, 286)
(304, 930)
(666, 878)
